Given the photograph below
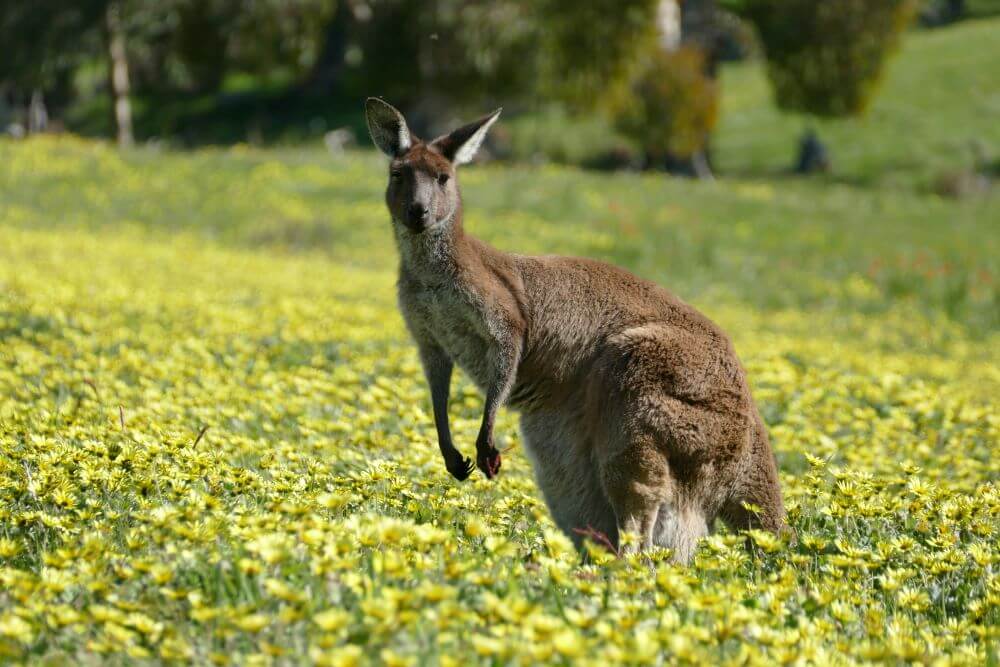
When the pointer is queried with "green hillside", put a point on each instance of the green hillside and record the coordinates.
(941, 96)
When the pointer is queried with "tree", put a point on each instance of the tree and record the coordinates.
(46, 47)
(275, 38)
(327, 70)
(827, 58)
(435, 57)
(118, 78)
(672, 104)
(153, 46)
(432, 57)
(672, 110)
(592, 51)
(44, 42)
(200, 40)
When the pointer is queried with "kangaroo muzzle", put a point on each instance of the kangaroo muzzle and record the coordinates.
(416, 217)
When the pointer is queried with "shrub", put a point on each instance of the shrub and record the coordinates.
(590, 50)
(826, 58)
(674, 106)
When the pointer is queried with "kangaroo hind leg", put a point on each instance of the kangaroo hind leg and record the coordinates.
(678, 528)
(636, 483)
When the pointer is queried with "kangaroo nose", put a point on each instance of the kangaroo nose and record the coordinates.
(417, 212)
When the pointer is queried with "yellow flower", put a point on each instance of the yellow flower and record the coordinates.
(198, 425)
(9, 548)
(283, 591)
(16, 628)
(331, 619)
(347, 656)
(252, 622)
(487, 646)
(392, 659)
(174, 648)
(568, 643)
(161, 574)
(272, 548)
(475, 527)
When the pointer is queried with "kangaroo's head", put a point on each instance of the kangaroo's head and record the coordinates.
(422, 192)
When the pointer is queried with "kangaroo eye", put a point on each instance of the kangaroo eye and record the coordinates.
(395, 174)
(443, 178)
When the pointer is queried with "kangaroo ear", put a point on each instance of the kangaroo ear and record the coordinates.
(387, 127)
(460, 146)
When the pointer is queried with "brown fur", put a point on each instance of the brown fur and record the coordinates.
(635, 410)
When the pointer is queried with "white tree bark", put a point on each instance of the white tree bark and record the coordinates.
(118, 75)
(670, 33)
(38, 115)
(668, 24)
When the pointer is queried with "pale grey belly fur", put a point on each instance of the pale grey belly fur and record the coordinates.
(566, 474)
(466, 353)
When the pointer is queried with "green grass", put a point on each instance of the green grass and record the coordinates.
(934, 114)
(773, 244)
(940, 96)
(147, 295)
(983, 8)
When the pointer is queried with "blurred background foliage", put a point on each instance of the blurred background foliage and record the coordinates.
(827, 58)
(673, 106)
(638, 78)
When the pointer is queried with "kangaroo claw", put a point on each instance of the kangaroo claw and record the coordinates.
(488, 460)
(460, 467)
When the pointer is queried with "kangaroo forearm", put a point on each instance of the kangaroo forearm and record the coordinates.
(494, 399)
(440, 400)
(438, 368)
(498, 391)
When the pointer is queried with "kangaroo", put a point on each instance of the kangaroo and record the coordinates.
(635, 411)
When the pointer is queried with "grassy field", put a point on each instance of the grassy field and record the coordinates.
(937, 108)
(933, 115)
(215, 442)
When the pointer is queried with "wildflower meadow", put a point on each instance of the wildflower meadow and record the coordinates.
(216, 446)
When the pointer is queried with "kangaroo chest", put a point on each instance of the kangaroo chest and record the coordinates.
(454, 320)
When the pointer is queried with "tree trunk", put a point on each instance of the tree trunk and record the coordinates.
(701, 165)
(670, 29)
(328, 70)
(668, 24)
(118, 74)
(700, 29)
(38, 114)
